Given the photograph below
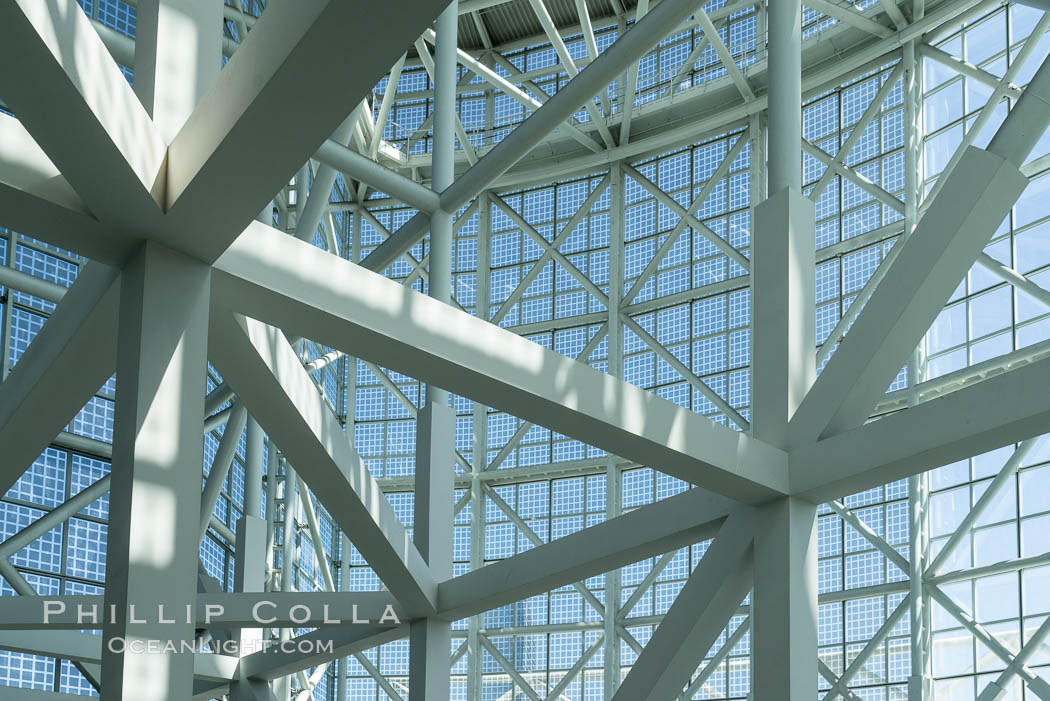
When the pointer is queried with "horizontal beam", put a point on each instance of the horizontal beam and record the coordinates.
(937, 432)
(269, 378)
(368, 316)
(381, 178)
(31, 284)
(682, 520)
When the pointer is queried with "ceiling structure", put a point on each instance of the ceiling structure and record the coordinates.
(518, 372)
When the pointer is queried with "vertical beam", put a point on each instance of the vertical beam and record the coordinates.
(920, 680)
(430, 638)
(248, 576)
(443, 162)
(613, 491)
(784, 602)
(785, 94)
(784, 325)
(152, 549)
(479, 462)
(353, 250)
(5, 316)
(178, 53)
(253, 469)
(271, 511)
(289, 555)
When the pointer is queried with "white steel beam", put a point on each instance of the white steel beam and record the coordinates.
(716, 660)
(584, 15)
(690, 221)
(836, 167)
(455, 125)
(873, 109)
(53, 518)
(152, 548)
(359, 167)
(366, 315)
(430, 638)
(554, 37)
(934, 433)
(972, 203)
(715, 39)
(178, 54)
(697, 617)
(687, 215)
(926, 272)
(557, 255)
(526, 530)
(548, 251)
(321, 556)
(114, 157)
(997, 689)
(389, 94)
(655, 529)
(630, 87)
(987, 498)
(269, 377)
(687, 374)
(303, 652)
(1015, 278)
(1029, 51)
(784, 602)
(92, 671)
(290, 50)
(783, 325)
(851, 17)
(596, 76)
(503, 84)
(220, 465)
(872, 647)
(249, 568)
(968, 69)
(35, 198)
(309, 213)
(1036, 684)
(69, 360)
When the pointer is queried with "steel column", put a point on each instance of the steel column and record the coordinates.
(152, 549)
